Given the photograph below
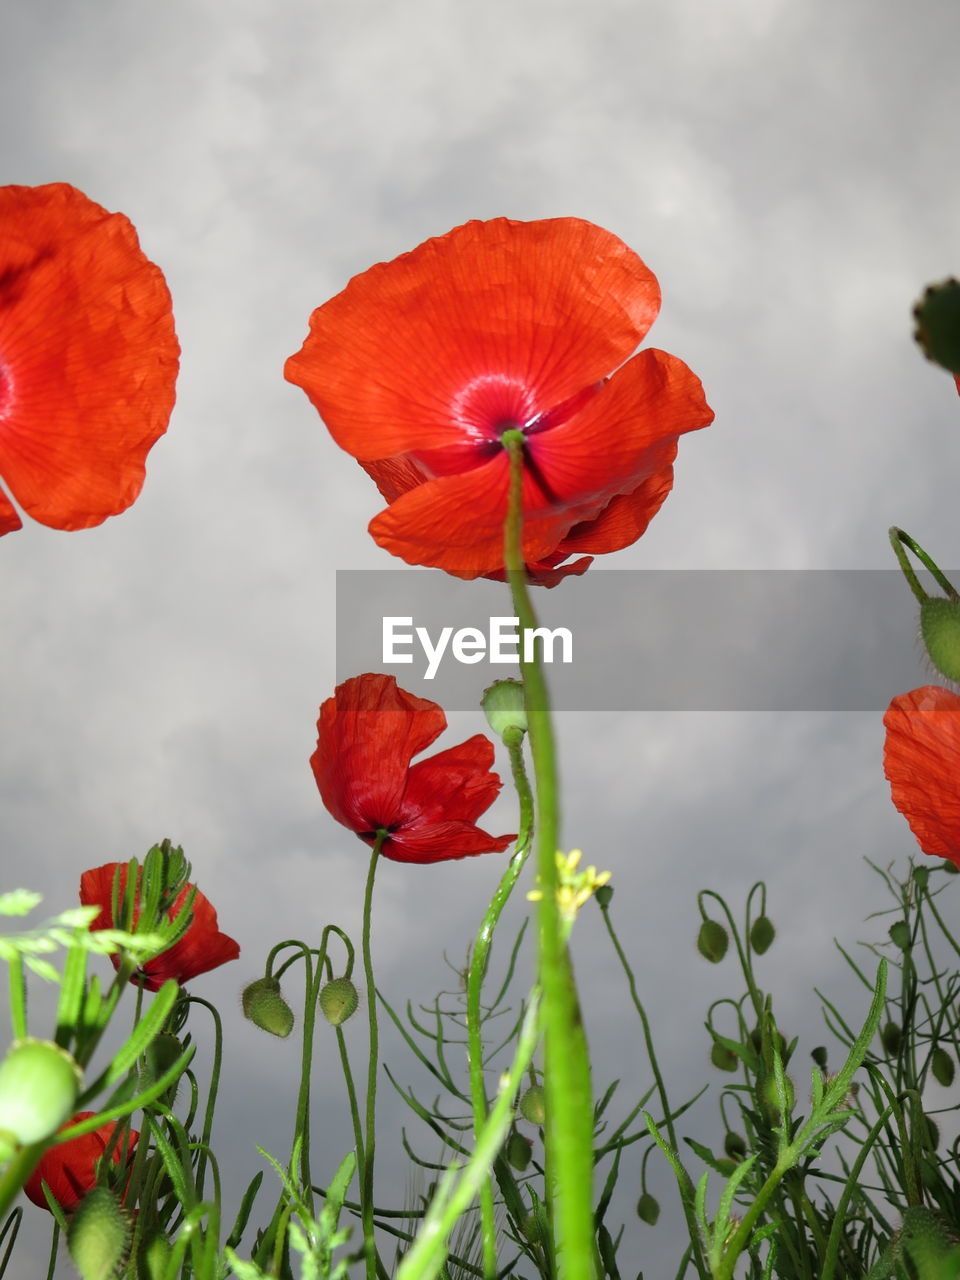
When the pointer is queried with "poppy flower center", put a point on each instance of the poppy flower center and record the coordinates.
(491, 404)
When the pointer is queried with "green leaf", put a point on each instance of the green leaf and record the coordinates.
(18, 902)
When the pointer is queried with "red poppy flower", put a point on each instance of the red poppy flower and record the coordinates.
(69, 1169)
(88, 358)
(369, 732)
(921, 759)
(202, 948)
(421, 364)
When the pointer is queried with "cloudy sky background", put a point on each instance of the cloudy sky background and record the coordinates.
(790, 173)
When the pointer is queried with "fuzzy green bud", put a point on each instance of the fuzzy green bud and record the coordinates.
(265, 1007)
(942, 1067)
(723, 1059)
(519, 1150)
(920, 876)
(900, 934)
(338, 1001)
(891, 1037)
(154, 1257)
(927, 1241)
(762, 934)
(929, 1133)
(771, 1095)
(734, 1145)
(940, 629)
(712, 941)
(506, 710)
(158, 1057)
(39, 1083)
(648, 1209)
(604, 895)
(533, 1105)
(99, 1235)
(819, 1055)
(938, 324)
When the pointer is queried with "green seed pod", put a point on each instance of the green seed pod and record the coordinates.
(900, 934)
(39, 1083)
(940, 629)
(506, 710)
(723, 1059)
(519, 1150)
(338, 1001)
(734, 1145)
(819, 1055)
(938, 324)
(265, 1007)
(533, 1105)
(648, 1210)
(762, 934)
(712, 941)
(942, 1067)
(99, 1235)
(891, 1037)
(604, 895)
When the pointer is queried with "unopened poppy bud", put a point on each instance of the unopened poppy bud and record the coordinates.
(771, 1094)
(900, 934)
(519, 1151)
(929, 1133)
(950, 868)
(154, 1257)
(920, 876)
(338, 1001)
(942, 1067)
(927, 1240)
(723, 1059)
(604, 895)
(265, 1007)
(940, 629)
(712, 941)
(819, 1055)
(506, 710)
(762, 934)
(648, 1209)
(734, 1145)
(39, 1083)
(158, 1057)
(533, 1105)
(99, 1235)
(891, 1038)
(938, 324)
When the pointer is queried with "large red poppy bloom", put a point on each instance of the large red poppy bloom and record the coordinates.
(88, 358)
(421, 364)
(368, 733)
(70, 1168)
(202, 947)
(921, 759)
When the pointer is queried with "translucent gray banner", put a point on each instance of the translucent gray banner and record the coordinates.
(728, 640)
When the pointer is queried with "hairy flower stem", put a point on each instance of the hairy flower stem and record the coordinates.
(366, 1178)
(569, 1120)
(479, 959)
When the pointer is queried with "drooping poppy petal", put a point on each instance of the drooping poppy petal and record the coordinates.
(921, 759)
(69, 1169)
(202, 948)
(88, 357)
(368, 733)
(421, 364)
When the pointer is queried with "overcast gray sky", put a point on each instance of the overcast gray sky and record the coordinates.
(789, 171)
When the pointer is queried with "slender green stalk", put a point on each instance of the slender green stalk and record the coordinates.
(899, 539)
(366, 1177)
(479, 960)
(569, 1122)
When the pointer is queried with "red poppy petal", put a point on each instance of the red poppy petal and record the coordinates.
(88, 354)
(922, 762)
(69, 1169)
(623, 520)
(624, 434)
(394, 476)
(9, 520)
(368, 732)
(442, 842)
(456, 783)
(96, 889)
(202, 948)
(502, 317)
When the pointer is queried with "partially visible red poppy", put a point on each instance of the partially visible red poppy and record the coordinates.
(88, 358)
(921, 759)
(368, 734)
(202, 948)
(420, 365)
(69, 1169)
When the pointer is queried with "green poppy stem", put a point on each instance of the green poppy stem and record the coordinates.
(569, 1119)
(366, 1179)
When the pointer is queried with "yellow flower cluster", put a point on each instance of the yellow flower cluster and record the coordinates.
(574, 887)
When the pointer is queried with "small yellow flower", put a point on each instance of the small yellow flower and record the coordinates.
(574, 887)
